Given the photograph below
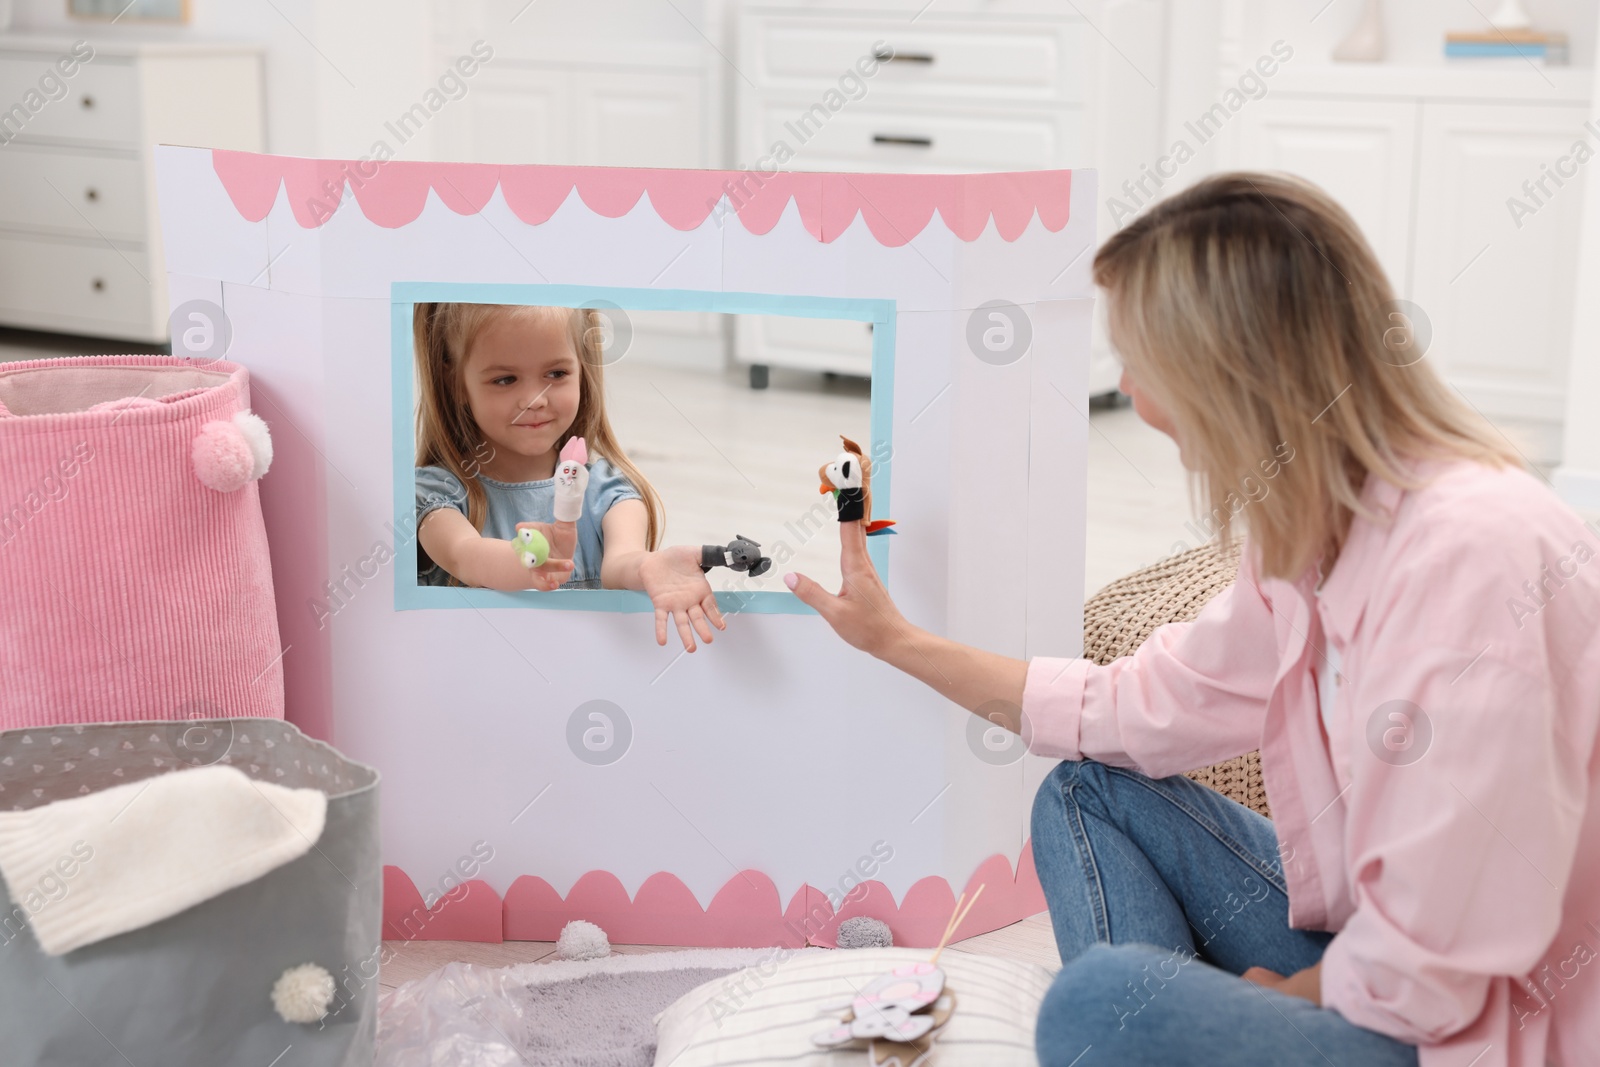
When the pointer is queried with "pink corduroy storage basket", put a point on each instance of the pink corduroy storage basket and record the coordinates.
(134, 576)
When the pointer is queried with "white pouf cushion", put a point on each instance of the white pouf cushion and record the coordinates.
(768, 1013)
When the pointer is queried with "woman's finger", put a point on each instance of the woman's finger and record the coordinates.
(714, 613)
(853, 544)
(810, 593)
(661, 627)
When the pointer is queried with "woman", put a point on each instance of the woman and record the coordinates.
(1411, 642)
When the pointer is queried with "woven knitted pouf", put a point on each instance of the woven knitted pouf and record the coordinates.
(1118, 618)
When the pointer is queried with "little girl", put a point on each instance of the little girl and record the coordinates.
(503, 389)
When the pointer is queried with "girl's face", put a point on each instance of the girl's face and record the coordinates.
(521, 381)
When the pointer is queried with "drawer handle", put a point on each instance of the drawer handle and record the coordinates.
(889, 55)
(87, 101)
(98, 285)
(91, 194)
(912, 142)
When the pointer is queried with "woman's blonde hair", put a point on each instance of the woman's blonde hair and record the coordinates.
(1251, 309)
(447, 434)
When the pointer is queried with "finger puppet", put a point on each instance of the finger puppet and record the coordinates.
(849, 479)
(533, 548)
(740, 554)
(899, 1013)
(572, 480)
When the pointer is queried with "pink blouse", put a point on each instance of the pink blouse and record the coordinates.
(1446, 823)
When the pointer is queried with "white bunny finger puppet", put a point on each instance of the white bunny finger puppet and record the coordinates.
(572, 480)
(894, 1007)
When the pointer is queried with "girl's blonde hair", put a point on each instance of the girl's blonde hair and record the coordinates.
(1252, 310)
(447, 434)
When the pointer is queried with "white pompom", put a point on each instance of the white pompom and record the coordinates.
(581, 940)
(256, 436)
(303, 994)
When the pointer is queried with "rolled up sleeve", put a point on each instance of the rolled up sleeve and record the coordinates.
(1194, 693)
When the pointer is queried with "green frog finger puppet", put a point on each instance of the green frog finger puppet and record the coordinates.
(533, 548)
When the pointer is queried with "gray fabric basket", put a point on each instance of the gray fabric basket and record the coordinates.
(195, 989)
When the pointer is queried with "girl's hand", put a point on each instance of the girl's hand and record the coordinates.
(558, 568)
(676, 585)
(862, 613)
(562, 536)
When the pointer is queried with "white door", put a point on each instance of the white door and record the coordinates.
(647, 119)
(634, 119)
(510, 115)
(1360, 151)
(1498, 285)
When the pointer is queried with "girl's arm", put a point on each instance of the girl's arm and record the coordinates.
(671, 577)
(487, 562)
(623, 530)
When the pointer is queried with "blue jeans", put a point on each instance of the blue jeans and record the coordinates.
(1161, 893)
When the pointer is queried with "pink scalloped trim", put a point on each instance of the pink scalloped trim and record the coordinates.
(896, 207)
(746, 912)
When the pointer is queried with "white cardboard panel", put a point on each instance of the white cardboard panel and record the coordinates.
(204, 236)
(778, 748)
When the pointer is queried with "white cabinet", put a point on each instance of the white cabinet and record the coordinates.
(639, 120)
(545, 109)
(510, 116)
(520, 113)
(79, 238)
(1363, 152)
(1427, 161)
(1500, 295)
(967, 85)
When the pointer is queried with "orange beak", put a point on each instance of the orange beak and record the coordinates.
(826, 489)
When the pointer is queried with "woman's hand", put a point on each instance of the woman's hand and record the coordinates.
(676, 585)
(558, 568)
(862, 613)
(1306, 984)
(980, 681)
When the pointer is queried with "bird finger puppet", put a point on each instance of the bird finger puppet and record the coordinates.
(740, 554)
(849, 478)
(572, 480)
(899, 1014)
(533, 548)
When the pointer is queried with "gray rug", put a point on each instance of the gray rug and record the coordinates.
(603, 1020)
(596, 1013)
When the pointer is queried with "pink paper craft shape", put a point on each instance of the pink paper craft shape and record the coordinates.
(895, 207)
(746, 912)
(468, 912)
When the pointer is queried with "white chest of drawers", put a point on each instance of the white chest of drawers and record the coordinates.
(80, 246)
(963, 85)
